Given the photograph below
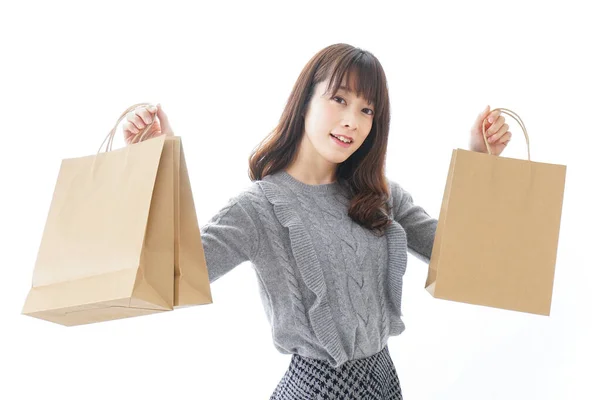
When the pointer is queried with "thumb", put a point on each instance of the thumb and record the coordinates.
(484, 112)
(476, 129)
(164, 121)
(481, 117)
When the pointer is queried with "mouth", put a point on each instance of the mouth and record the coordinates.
(341, 143)
(348, 140)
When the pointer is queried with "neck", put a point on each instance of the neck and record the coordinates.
(310, 167)
(311, 176)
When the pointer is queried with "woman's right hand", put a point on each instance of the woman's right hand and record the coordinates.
(138, 120)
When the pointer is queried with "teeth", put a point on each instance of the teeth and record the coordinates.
(343, 139)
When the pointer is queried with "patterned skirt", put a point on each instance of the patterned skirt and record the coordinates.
(371, 378)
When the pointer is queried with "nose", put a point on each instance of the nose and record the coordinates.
(350, 120)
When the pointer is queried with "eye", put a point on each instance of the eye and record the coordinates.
(337, 97)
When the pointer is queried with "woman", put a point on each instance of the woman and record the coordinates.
(327, 233)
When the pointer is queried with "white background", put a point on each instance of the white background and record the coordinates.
(223, 73)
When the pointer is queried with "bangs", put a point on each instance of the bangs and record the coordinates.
(362, 69)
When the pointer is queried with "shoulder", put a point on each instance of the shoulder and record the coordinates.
(397, 193)
(260, 193)
(248, 194)
(394, 188)
(252, 196)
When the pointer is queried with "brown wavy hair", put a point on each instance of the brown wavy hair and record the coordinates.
(363, 172)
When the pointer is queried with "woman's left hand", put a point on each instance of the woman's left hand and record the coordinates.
(496, 131)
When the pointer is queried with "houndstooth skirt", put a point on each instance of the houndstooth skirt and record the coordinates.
(371, 378)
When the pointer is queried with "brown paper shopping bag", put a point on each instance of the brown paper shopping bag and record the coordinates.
(192, 286)
(497, 235)
(108, 247)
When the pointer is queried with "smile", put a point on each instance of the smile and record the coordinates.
(340, 142)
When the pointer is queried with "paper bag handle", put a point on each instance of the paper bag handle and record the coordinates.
(138, 138)
(517, 118)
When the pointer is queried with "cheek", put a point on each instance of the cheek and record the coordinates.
(321, 119)
(366, 128)
(326, 115)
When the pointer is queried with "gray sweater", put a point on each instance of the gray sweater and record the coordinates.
(331, 289)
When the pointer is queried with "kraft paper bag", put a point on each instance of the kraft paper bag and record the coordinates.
(497, 235)
(191, 282)
(108, 249)
(192, 286)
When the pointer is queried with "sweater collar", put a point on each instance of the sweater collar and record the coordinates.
(284, 178)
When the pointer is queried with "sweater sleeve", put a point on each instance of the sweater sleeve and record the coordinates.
(229, 238)
(420, 227)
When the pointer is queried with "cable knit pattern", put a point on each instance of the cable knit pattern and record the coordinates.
(331, 289)
(300, 320)
(308, 264)
(353, 253)
(316, 217)
(354, 257)
(214, 221)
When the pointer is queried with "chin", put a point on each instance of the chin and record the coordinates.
(338, 159)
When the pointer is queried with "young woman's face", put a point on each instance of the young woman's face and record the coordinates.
(342, 113)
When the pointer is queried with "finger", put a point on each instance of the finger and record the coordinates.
(495, 127)
(493, 116)
(129, 137)
(164, 121)
(136, 120)
(505, 139)
(498, 137)
(156, 126)
(480, 118)
(162, 115)
(144, 115)
(155, 130)
(499, 147)
(498, 134)
(483, 114)
(128, 126)
(488, 119)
